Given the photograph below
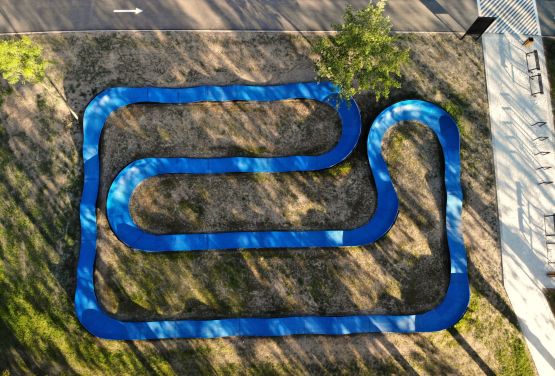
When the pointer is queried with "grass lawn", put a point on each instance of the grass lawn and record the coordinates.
(405, 272)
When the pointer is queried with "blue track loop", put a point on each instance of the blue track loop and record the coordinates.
(91, 315)
(121, 190)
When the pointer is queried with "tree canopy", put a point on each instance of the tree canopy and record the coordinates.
(364, 54)
(21, 61)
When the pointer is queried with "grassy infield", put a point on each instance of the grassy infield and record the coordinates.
(39, 192)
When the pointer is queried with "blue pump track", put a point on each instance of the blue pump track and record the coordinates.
(100, 324)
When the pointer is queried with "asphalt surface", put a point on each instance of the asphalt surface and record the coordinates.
(304, 15)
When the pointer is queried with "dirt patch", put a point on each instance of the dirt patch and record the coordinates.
(211, 130)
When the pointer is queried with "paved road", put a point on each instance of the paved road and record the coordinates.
(70, 15)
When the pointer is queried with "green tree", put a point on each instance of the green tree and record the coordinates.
(21, 61)
(363, 55)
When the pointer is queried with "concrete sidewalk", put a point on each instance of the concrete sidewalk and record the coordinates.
(519, 151)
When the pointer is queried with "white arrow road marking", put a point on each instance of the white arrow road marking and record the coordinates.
(136, 10)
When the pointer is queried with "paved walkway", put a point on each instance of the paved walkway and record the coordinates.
(292, 15)
(519, 153)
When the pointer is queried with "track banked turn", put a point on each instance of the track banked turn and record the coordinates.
(99, 323)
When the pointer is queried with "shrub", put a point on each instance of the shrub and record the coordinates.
(363, 55)
(21, 61)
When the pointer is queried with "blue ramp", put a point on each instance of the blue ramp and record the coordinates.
(91, 315)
